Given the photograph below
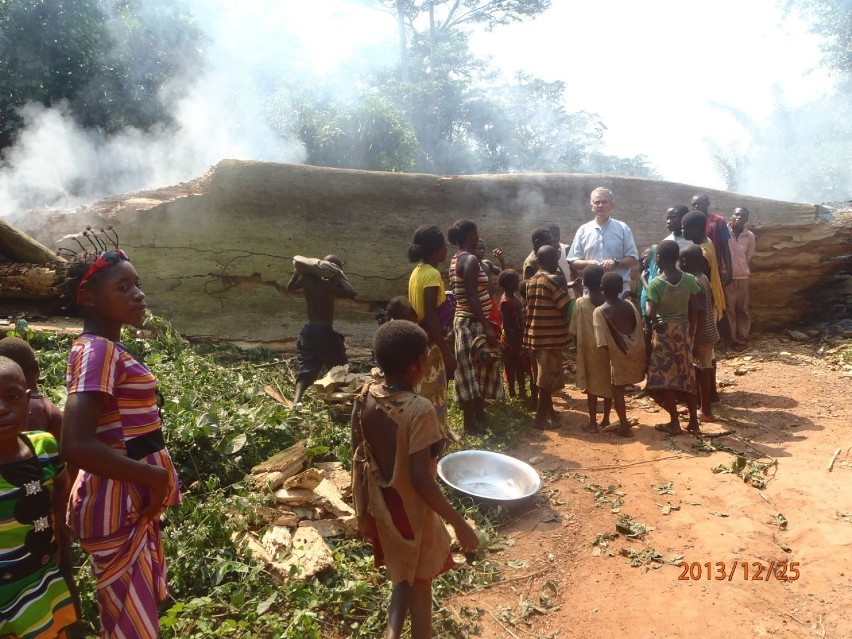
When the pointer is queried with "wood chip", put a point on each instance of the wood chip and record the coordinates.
(307, 479)
(289, 461)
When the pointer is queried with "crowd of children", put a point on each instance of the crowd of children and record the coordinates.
(110, 446)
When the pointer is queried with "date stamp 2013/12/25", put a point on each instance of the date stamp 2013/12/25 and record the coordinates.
(739, 570)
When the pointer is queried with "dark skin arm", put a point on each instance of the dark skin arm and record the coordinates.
(726, 258)
(295, 282)
(433, 328)
(65, 560)
(423, 482)
(342, 287)
(470, 275)
(81, 448)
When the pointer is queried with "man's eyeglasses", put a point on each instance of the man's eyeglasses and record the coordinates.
(108, 258)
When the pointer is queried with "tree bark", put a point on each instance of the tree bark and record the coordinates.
(19, 247)
(28, 281)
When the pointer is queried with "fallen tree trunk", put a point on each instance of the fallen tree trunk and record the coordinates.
(17, 246)
(28, 281)
(216, 253)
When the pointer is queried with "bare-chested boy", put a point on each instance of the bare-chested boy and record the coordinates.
(319, 344)
(618, 328)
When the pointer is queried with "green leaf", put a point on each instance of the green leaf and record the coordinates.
(235, 444)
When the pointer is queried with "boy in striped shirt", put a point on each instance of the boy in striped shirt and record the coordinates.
(546, 333)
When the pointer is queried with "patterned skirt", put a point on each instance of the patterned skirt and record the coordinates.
(434, 388)
(670, 366)
(474, 378)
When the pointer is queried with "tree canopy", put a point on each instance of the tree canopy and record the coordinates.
(108, 59)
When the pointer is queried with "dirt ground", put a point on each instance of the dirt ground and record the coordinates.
(788, 403)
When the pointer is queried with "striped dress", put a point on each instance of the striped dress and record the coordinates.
(126, 552)
(475, 378)
(34, 598)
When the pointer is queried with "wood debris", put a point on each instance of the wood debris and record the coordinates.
(311, 507)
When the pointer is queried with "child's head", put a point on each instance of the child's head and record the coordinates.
(20, 352)
(555, 233)
(541, 237)
(692, 260)
(399, 308)
(106, 286)
(701, 202)
(548, 258)
(334, 260)
(612, 284)
(400, 349)
(464, 234)
(428, 245)
(481, 248)
(592, 276)
(509, 280)
(739, 219)
(14, 400)
(668, 253)
(694, 226)
(646, 255)
(674, 218)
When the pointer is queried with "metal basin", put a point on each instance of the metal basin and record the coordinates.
(488, 475)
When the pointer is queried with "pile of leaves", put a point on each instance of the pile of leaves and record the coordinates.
(218, 423)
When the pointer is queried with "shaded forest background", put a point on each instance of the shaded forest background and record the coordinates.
(113, 66)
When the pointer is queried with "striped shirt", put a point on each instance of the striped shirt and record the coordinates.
(101, 506)
(547, 319)
(463, 308)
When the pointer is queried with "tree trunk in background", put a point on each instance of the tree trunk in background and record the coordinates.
(16, 246)
(216, 253)
(403, 44)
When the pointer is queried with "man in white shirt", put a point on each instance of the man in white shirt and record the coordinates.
(604, 241)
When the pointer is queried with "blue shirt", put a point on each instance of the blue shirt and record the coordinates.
(612, 241)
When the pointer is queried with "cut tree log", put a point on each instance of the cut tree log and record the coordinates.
(214, 278)
(28, 281)
(288, 462)
(17, 246)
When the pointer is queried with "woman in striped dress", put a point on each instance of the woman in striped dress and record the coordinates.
(112, 433)
(479, 366)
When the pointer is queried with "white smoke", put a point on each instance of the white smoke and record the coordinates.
(256, 49)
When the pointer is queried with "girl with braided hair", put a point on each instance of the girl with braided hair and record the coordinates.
(112, 432)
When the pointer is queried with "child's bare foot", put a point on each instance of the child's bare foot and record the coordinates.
(706, 417)
(545, 424)
(591, 427)
(694, 428)
(605, 422)
(670, 429)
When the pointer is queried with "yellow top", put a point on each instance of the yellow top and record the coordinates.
(422, 277)
(715, 279)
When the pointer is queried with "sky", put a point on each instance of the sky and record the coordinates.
(664, 76)
(659, 73)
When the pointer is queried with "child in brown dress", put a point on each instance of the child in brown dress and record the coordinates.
(618, 328)
(400, 508)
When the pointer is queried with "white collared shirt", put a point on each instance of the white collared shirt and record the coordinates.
(611, 241)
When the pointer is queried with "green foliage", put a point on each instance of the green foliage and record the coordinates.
(107, 59)
(832, 20)
(218, 423)
(369, 133)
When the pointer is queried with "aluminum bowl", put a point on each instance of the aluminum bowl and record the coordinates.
(488, 475)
